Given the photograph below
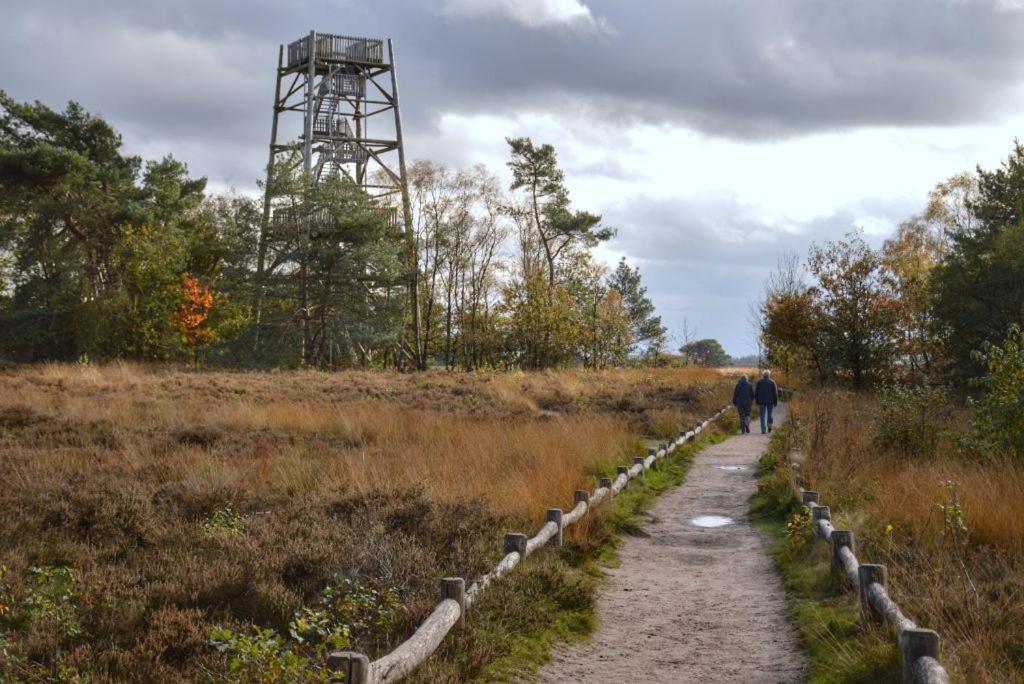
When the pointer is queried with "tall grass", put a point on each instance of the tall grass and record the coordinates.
(968, 585)
(184, 500)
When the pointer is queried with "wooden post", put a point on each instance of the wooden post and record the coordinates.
(914, 644)
(581, 495)
(809, 497)
(652, 451)
(638, 460)
(455, 588)
(820, 513)
(555, 516)
(354, 667)
(837, 541)
(868, 574)
(606, 482)
(515, 542)
(682, 436)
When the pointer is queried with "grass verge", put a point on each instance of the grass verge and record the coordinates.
(552, 596)
(840, 647)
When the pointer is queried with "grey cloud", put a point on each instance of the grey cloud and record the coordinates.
(764, 69)
(605, 167)
(706, 260)
(757, 70)
(195, 78)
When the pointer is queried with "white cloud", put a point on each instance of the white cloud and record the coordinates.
(529, 13)
(714, 136)
(706, 218)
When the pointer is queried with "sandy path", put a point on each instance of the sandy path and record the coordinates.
(692, 604)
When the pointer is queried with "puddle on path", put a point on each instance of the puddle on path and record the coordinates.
(711, 521)
(732, 467)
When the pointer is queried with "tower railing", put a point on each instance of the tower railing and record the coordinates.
(331, 47)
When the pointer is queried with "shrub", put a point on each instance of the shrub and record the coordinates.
(340, 614)
(799, 529)
(910, 418)
(224, 521)
(50, 602)
(998, 419)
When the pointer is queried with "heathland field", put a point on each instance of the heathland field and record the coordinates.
(157, 523)
(899, 470)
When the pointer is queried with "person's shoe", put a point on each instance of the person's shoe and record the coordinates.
(769, 428)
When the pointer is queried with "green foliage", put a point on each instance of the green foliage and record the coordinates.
(979, 286)
(137, 320)
(840, 648)
(856, 312)
(776, 487)
(97, 241)
(599, 331)
(224, 521)
(46, 606)
(910, 418)
(343, 611)
(953, 516)
(908, 262)
(6, 594)
(646, 328)
(94, 244)
(331, 294)
(955, 533)
(998, 420)
(262, 655)
(558, 307)
(50, 601)
(707, 352)
(538, 323)
(799, 529)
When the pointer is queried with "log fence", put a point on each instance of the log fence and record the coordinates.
(919, 648)
(455, 598)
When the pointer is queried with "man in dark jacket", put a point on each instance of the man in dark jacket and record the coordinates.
(766, 394)
(743, 400)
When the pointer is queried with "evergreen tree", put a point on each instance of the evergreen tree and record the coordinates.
(707, 352)
(96, 251)
(979, 286)
(648, 333)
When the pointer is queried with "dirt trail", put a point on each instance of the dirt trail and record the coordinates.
(692, 604)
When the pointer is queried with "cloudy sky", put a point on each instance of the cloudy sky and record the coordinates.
(715, 134)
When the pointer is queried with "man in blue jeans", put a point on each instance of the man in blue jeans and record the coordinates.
(766, 394)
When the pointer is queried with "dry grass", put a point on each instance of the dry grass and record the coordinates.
(393, 479)
(893, 504)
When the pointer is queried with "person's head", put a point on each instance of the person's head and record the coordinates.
(744, 378)
(767, 374)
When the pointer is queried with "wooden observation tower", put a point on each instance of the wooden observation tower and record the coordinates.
(336, 105)
(330, 92)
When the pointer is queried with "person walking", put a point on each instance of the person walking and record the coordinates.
(766, 394)
(743, 400)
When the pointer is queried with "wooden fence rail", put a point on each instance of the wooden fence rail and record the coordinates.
(919, 648)
(455, 599)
